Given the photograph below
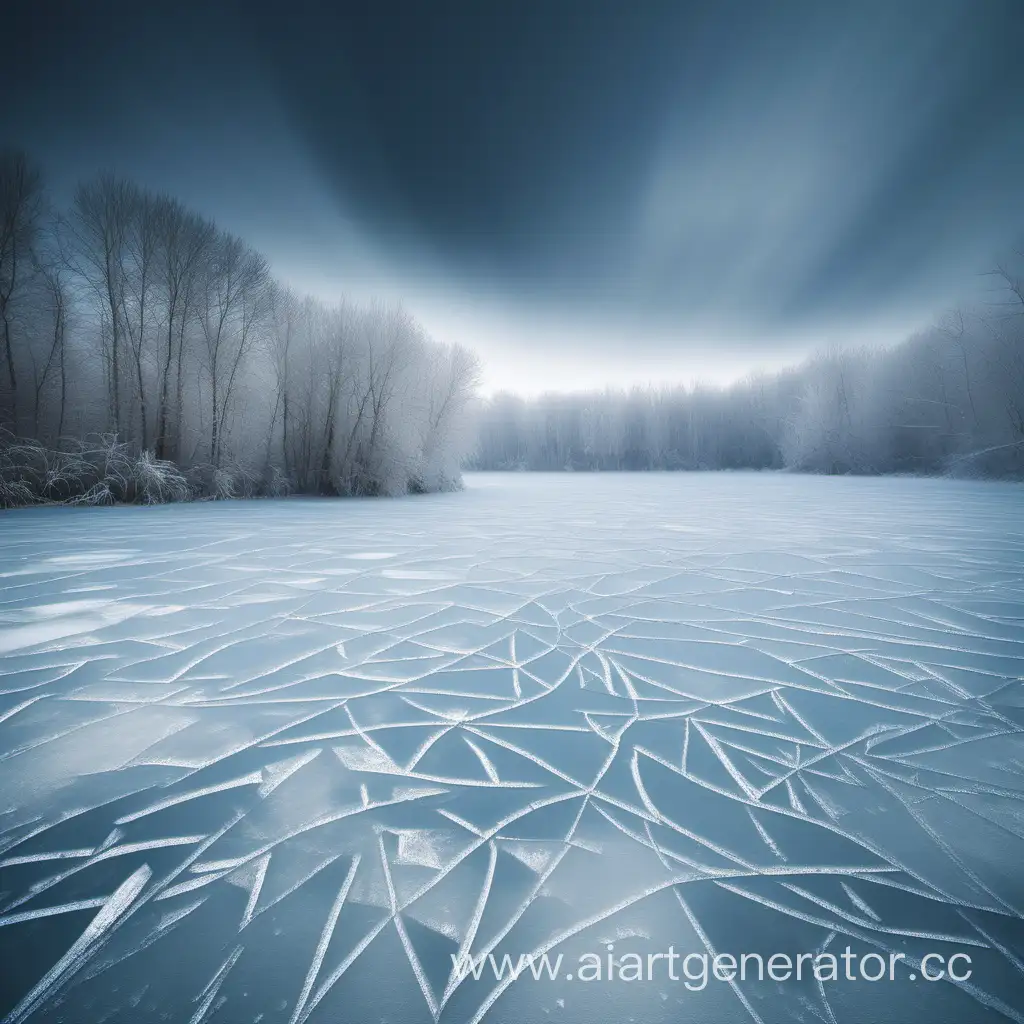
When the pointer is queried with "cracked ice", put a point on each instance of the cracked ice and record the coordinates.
(278, 761)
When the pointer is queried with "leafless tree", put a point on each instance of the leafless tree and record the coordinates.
(97, 232)
(55, 293)
(285, 317)
(184, 240)
(235, 299)
(21, 210)
(141, 243)
(339, 328)
(953, 327)
(455, 375)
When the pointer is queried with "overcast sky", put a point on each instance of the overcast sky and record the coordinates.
(585, 191)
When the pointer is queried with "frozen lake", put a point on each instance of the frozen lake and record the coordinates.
(280, 761)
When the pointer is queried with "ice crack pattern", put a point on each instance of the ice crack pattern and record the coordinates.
(278, 761)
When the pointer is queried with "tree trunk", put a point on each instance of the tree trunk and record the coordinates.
(11, 375)
(115, 363)
(214, 454)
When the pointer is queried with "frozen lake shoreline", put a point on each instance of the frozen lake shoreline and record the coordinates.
(280, 760)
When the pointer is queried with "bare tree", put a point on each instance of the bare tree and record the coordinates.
(954, 328)
(454, 381)
(395, 333)
(1007, 332)
(235, 299)
(339, 329)
(97, 232)
(55, 293)
(141, 240)
(21, 209)
(184, 240)
(285, 315)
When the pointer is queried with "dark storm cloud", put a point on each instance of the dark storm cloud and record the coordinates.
(667, 170)
(752, 161)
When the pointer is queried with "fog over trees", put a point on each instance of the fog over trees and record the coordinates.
(949, 399)
(149, 355)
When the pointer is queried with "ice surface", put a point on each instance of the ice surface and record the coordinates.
(278, 761)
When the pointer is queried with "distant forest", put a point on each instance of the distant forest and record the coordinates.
(148, 355)
(948, 400)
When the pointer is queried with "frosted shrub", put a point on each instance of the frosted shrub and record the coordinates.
(68, 474)
(276, 484)
(14, 492)
(94, 471)
(157, 480)
(236, 481)
(224, 484)
(98, 494)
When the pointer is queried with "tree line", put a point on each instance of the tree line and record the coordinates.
(948, 399)
(139, 335)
